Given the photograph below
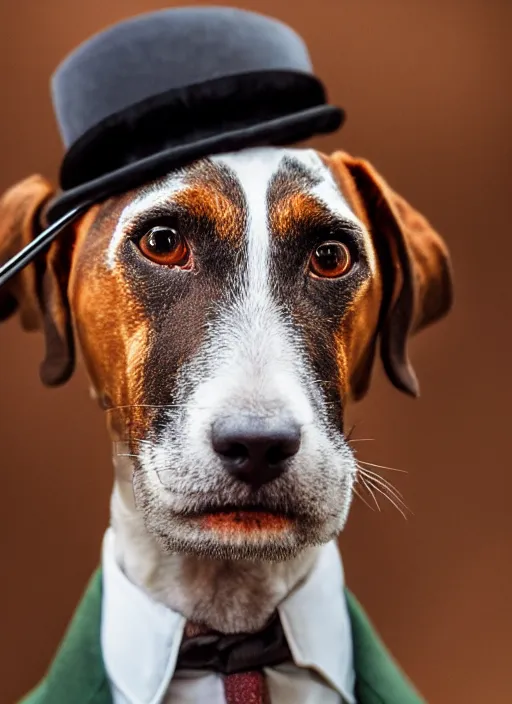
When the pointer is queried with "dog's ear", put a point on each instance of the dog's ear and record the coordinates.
(414, 262)
(38, 292)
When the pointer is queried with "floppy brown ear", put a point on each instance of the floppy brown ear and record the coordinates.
(415, 267)
(38, 292)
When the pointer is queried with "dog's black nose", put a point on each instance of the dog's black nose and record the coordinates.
(255, 449)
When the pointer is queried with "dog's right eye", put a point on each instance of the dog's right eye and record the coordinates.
(164, 245)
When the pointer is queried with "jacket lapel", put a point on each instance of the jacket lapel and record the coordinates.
(378, 678)
(78, 674)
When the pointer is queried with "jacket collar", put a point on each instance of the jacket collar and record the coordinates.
(78, 675)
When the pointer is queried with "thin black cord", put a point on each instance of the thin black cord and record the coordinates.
(27, 254)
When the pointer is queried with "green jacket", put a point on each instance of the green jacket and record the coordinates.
(77, 674)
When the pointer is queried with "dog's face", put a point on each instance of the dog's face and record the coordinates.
(226, 314)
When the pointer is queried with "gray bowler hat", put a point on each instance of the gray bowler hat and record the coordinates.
(159, 90)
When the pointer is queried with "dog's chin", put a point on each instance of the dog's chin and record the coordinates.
(237, 535)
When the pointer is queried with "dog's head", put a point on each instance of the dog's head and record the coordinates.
(226, 314)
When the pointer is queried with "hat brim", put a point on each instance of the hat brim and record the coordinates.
(281, 131)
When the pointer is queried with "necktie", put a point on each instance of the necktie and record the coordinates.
(239, 657)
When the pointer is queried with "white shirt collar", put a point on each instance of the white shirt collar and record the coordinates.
(140, 637)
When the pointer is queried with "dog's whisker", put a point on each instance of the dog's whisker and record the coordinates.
(369, 474)
(360, 440)
(389, 492)
(145, 405)
(360, 496)
(349, 434)
(132, 439)
(128, 439)
(386, 490)
(369, 489)
(125, 454)
(373, 475)
(383, 466)
(390, 499)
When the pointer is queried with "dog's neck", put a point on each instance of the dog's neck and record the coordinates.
(228, 596)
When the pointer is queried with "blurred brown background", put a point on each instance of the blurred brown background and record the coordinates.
(426, 85)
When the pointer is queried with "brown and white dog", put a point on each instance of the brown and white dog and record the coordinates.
(227, 313)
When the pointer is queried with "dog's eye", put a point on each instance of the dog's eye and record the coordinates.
(164, 245)
(331, 259)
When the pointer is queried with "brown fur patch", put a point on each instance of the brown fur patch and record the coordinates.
(293, 212)
(291, 207)
(19, 206)
(214, 195)
(204, 202)
(114, 342)
(354, 335)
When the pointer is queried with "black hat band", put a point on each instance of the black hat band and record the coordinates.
(186, 115)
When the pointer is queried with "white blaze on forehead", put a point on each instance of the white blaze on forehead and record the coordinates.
(254, 168)
(154, 195)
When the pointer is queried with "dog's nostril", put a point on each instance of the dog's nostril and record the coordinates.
(232, 451)
(282, 451)
(255, 449)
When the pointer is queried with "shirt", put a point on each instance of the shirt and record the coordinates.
(140, 639)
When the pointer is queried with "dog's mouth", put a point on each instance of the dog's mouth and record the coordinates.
(244, 519)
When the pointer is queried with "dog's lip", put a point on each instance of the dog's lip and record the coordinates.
(247, 522)
(255, 520)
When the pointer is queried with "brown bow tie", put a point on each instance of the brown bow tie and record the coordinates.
(239, 657)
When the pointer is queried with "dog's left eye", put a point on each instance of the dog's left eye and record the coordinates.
(164, 245)
(330, 260)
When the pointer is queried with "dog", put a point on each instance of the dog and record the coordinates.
(227, 314)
